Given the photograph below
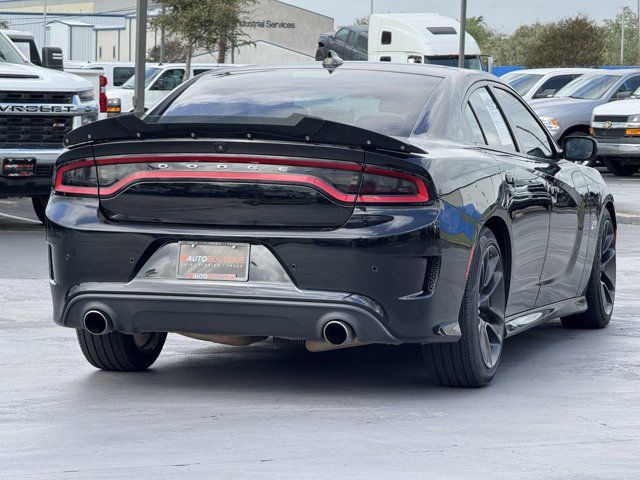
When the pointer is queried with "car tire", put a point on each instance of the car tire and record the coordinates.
(590, 163)
(321, 53)
(117, 351)
(474, 359)
(601, 289)
(40, 206)
(616, 167)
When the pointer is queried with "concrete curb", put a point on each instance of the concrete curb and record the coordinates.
(628, 218)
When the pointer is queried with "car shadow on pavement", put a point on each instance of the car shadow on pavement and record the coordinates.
(269, 368)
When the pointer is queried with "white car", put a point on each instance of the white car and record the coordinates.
(159, 81)
(616, 127)
(535, 83)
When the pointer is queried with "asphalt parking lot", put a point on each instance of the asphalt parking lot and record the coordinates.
(566, 403)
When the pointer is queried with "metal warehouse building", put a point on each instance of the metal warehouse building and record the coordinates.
(104, 30)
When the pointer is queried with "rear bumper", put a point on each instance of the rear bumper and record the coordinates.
(39, 184)
(298, 316)
(374, 273)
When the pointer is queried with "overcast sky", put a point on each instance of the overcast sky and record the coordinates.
(505, 15)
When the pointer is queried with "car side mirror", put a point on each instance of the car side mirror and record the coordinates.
(623, 95)
(545, 93)
(52, 58)
(579, 149)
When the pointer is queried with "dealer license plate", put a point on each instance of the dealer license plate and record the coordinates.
(18, 167)
(226, 261)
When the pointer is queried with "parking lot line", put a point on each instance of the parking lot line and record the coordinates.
(15, 217)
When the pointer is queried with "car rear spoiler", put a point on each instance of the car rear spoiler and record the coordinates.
(296, 127)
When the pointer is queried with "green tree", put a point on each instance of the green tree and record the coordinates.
(570, 42)
(612, 31)
(203, 24)
(175, 51)
(362, 21)
(482, 33)
(513, 49)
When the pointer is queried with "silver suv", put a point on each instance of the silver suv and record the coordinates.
(569, 110)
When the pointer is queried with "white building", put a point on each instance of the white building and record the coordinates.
(104, 30)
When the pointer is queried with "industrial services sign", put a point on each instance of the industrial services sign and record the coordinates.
(266, 24)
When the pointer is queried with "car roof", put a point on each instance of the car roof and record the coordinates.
(620, 71)
(412, 68)
(357, 28)
(547, 71)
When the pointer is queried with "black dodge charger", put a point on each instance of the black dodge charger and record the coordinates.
(335, 205)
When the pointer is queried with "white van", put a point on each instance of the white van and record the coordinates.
(159, 81)
(116, 72)
(420, 38)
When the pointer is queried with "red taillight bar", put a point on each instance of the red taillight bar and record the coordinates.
(422, 195)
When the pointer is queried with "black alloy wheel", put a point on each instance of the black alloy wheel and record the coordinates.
(491, 306)
(601, 289)
(474, 359)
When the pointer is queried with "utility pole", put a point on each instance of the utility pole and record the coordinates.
(624, 10)
(44, 26)
(638, 59)
(164, 11)
(141, 54)
(371, 9)
(463, 31)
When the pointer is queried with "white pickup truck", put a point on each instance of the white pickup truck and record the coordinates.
(38, 107)
(616, 128)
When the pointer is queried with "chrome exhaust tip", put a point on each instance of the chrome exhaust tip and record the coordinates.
(337, 333)
(96, 322)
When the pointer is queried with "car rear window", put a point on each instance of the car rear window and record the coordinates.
(381, 101)
(589, 87)
(522, 83)
(121, 75)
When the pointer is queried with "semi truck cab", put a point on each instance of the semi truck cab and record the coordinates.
(420, 38)
(404, 38)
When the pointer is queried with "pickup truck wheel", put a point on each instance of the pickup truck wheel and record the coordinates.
(615, 166)
(39, 206)
(321, 53)
(121, 352)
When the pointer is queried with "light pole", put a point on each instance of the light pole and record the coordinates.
(624, 10)
(164, 11)
(371, 9)
(463, 30)
(141, 54)
(44, 26)
(638, 12)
